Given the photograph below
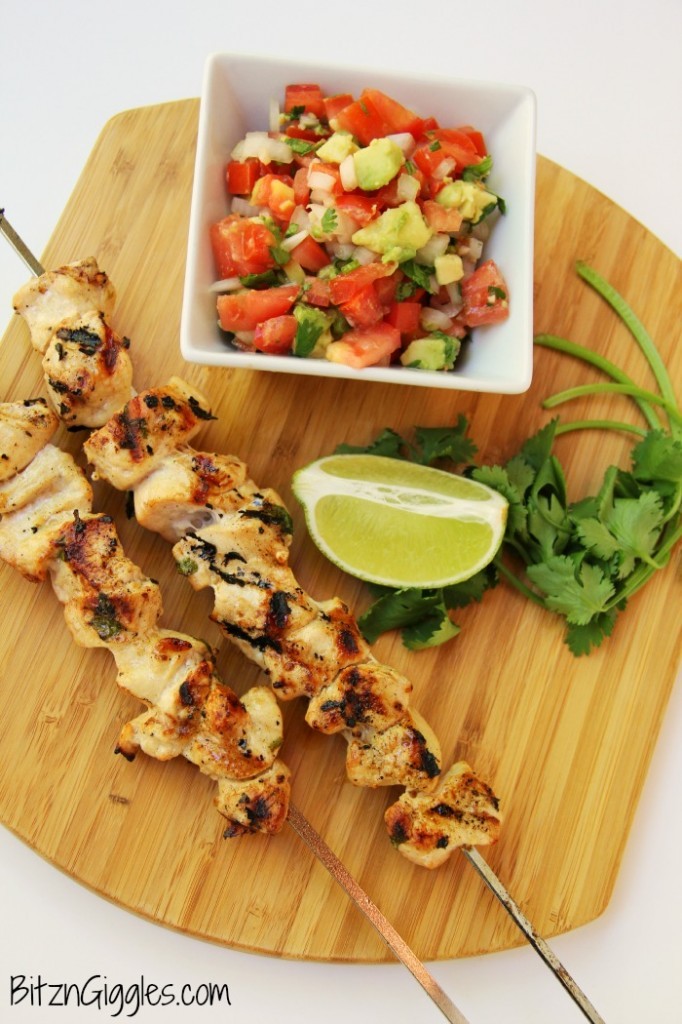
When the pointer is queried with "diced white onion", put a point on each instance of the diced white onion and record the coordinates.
(300, 218)
(244, 340)
(244, 207)
(228, 284)
(436, 246)
(434, 320)
(481, 230)
(341, 250)
(291, 241)
(449, 308)
(265, 148)
(404, 140)
(318, 179)
(472, 249)
(407, 188)
(363, 255)
(454, 294)
(349, 178)
(345, 227)
(321, 195)
(444, 168)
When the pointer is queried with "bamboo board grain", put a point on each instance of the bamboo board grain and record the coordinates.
(565, 742)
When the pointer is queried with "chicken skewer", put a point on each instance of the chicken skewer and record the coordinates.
(232, 536)
(539, 944)
(48, 529)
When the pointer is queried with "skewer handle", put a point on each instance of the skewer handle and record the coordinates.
(393, 940)
(539, 945)
(20, 246)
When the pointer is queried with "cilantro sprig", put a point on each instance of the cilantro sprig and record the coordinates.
(581, 560)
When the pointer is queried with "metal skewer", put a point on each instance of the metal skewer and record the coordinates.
(300, 824)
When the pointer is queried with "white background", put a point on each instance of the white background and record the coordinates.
(608, 85)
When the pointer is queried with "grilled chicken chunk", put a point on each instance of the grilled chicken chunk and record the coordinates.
(25, 427)
(461, 811)
(58, 295)
(87, 368)
(34, 507)
(88, 371)
(147, 429)
(46, 527)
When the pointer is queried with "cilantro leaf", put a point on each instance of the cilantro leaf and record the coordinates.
(300, 146)
(396, 609)
(435, 443)
(579, 594)
(312, 323)
(329, 220)
(387, 443)
(582, 639)
(420, 274)
(476, 172)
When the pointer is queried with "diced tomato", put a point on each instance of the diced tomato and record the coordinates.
(361, 208)
(364, 308)
(306, 95)
(361, 120)
(428, 124)
(310, 255)
(344, 287)
(455, 144)
(242, 175)
(241, 246)
(440, 218)
(276, 191)
(365, 346)
(276, 335)
(477, 139)
(296, 131)
(301, 190)
(396, 118)
(317, 292)
(387, 287)
(243, 311)
(333, 104)
(405, 317)
(485, 295)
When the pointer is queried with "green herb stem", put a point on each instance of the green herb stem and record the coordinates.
(604, 387)
(629, 428)
(643, 573)
(571, 348)
(518, 583)
(634, 325)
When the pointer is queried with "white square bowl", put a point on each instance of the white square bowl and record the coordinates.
(236, 96)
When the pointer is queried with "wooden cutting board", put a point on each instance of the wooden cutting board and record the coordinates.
(565, 742)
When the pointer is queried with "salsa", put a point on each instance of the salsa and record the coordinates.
(356, 233)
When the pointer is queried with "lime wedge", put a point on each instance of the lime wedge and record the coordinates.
(398, 523)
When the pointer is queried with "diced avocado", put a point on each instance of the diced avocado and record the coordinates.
(437, 351)
(449, 268)
(378, 163)
(397, 234)
(469, 197)
(336, 148)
